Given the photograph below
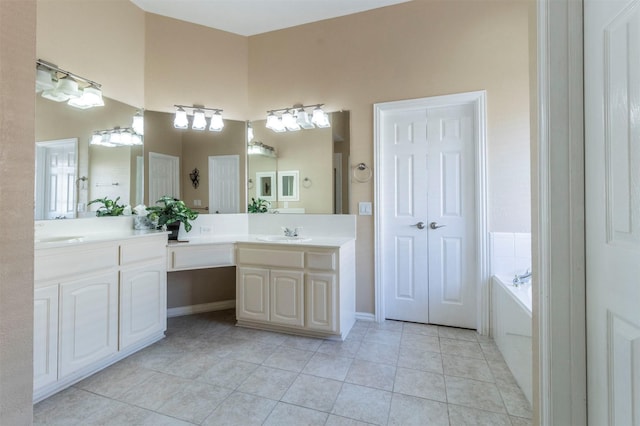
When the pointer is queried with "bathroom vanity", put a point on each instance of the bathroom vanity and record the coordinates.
(100, 296)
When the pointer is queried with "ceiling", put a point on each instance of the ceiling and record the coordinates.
(251, 17)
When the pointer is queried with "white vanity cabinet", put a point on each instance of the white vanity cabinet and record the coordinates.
(45, 336)
(88, 321)
(94, 304)
(302, 289)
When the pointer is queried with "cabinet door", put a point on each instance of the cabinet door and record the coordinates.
(45, 336)
(252, 294)
(88, 321)
(143, 303)
(321, 302)
(287, 297)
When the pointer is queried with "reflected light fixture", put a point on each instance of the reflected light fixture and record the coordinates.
(296, 118)
(138, 123)
(115, 137)
(199, 120)
(59, 85)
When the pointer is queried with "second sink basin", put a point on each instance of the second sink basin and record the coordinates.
(60, 239)
(283, 239)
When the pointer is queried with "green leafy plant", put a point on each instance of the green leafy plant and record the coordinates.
(258, 206)
(172, 210)
(108, 207)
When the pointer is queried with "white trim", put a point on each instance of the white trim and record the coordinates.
(365, 316)
(560, 234)
(478, 99)
(203, 307)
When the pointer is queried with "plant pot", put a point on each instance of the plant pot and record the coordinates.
(174, 228)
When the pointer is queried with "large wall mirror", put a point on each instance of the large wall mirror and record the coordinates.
(70, 172)
(307, 171)
(216, 158)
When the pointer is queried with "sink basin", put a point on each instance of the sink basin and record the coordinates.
(61, 239)
(283, 239)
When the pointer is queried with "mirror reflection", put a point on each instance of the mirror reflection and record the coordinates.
(175, 154)
(70, 171)
(310, 168)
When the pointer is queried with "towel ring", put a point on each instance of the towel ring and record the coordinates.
(306, 182)
(362, 173)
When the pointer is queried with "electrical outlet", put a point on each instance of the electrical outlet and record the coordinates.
(364, 208)
(205, 229)
(197, 203)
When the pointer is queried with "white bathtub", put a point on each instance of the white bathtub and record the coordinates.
(511, 328)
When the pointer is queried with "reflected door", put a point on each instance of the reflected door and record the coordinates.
(428, 227)
(164, 176)
(56, 170)
(224, 184)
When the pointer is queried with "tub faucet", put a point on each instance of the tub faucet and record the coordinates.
(522, 279)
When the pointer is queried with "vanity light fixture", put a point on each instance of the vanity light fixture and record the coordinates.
(199, 121)
(116, 137)
(59, 85)
(296, 118)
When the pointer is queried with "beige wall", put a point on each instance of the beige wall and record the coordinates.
(99, 40)
(411, 50)
(189, 64)
(416, 49)
(17, 74)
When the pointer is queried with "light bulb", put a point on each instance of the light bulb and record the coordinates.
(181, 121)
(216, 122)
(199, 120)
(320, 118)
(272, 121)
(138, 123)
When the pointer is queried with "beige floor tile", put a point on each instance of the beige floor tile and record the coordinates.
(70, 407)
(363, 404)
(422, 384)
(461, 348)
(156, 419)
(519, 421)
(419, 359)
(155, 391)
(347, 348)
(378, 352)
(250, 351)
(191, 364)
(313, 392)
(409, 410)
(229, 373)
(502, 373)
(416, 328)
(458, 333)
(194, 402)
(292, 415)
(115, 380)
(287, 358)
(474, 394)
(515, 401)
(389, 325)
(420, 342)
(371, 374)
(117, 413)
(328, 366)
(156, 356)
(334, 420)
(383, 336)
(465, 416)
(303, 343)
(241, 409)
(268, 382)
(491, 351)
(471, 368)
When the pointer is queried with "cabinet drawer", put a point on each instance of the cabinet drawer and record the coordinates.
(63, 262)
(198, 257)
(271, 258)
(321, 260)
(134, 251)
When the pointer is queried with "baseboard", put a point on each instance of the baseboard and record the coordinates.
(365, 316)
(203, 307)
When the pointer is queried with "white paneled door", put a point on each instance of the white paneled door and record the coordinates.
(612, 173)
(164, 176)
(426, 212)
(224, 184)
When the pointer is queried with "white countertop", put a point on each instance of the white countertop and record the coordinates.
(256, 239)
(79, 238)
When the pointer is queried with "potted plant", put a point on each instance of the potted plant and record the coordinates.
(258, 206)
(170, 214)
(108, 207)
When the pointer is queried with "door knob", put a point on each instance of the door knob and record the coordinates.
(434, 225)
(419, 225)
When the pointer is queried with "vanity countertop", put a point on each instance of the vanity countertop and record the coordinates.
(262, 240)
(79, 238)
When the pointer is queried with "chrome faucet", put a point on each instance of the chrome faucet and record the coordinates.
(522, 279)
(291, 232)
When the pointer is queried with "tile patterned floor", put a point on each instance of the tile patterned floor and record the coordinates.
(209, 372)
